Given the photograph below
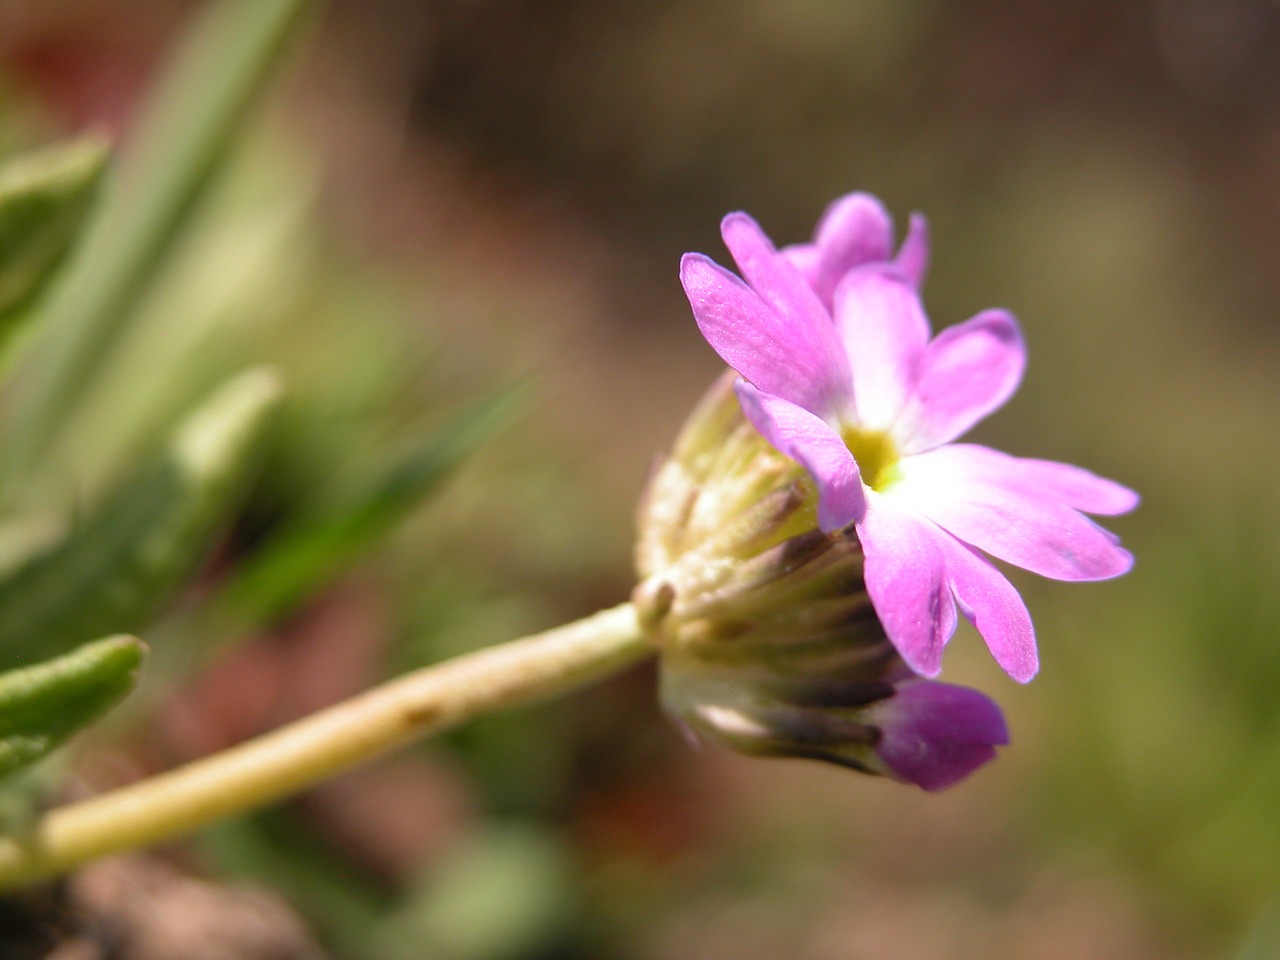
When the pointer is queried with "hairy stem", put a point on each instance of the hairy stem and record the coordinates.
(296, 756)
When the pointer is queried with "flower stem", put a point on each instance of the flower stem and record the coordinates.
(273, 766)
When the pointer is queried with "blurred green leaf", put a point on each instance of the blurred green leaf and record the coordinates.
(276, 848)
(504, 894)
(1264, 940)
(44, 197)
(208, 93)
(315, 548)
(239, 269)
(121, 564)
(24, 793)
(42, 705)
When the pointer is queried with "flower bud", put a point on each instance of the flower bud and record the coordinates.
(769, 642)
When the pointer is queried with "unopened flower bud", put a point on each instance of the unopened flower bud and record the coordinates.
(769, 642)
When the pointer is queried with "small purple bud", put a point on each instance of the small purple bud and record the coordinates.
(936, 734)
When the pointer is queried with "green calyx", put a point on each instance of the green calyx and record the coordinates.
(768, 642)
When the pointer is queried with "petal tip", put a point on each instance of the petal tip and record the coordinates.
(694, 262)
(737, 222)
(1124, 563)
(864, 208)
(1024, 672)
(1114, 563)
(1126, 500)
(924, 662)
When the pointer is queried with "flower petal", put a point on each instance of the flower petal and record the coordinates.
(1074, 486)
(965, 373)
(936, 734)
(854, 230)
(811, 442)
(774, 277)
(905, 573)
(913, 255)
(885, 331)
(801, 361)
(967, 491)
(995, 608)
(806, 258)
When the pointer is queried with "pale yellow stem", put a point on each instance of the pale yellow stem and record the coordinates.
(303, 753)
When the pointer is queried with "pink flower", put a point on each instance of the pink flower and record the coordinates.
(839, 372)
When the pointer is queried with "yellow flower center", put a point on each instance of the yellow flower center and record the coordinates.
(876, 455)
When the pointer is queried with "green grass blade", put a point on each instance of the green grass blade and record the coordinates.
(124, 562)
(312, 550)
(44, 198)
(208, 93)
(42, 705)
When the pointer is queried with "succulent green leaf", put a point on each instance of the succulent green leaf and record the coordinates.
(121, 564)
(44, 197)
(315, 548)
(42, 705)
(183, 140)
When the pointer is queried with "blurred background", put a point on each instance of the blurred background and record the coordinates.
(439, 199)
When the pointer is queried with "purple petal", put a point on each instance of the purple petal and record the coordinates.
(770, 274)
(965, 373)
(905, 573)
(885, 332)
(1074, 486)
(967, 492)
(854, 230)
(811, 442)
(798, 359)
(913, 256)
(936, 734)
(995, 608)
(805, 257)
